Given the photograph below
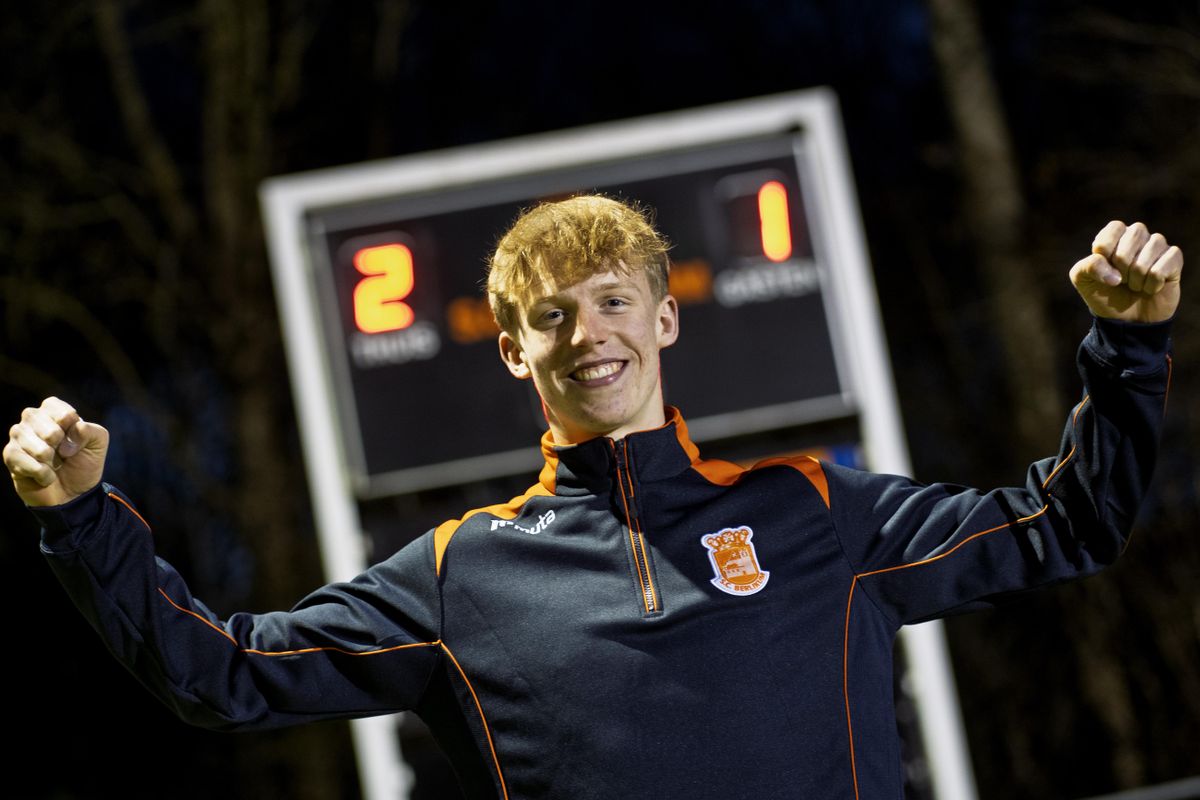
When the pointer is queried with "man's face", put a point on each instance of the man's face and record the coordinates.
(592, 351)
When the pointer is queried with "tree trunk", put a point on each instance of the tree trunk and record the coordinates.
(995, 212)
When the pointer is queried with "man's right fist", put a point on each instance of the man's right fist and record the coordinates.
(54, 456)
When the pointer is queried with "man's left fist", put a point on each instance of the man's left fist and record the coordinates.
(1132, 274)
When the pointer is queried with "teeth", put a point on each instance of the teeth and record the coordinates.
(601, 371)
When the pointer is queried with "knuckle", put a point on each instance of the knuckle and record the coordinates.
(45, 429)
(56, 408)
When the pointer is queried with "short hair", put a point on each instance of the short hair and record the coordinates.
(564, 242)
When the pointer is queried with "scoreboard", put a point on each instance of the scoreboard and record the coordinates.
(412, 344)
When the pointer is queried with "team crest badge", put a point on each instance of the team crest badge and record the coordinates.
(734, 561)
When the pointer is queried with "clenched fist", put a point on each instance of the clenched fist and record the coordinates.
(54, 456)
(1132, 274)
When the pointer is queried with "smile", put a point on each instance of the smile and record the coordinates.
(597, 372)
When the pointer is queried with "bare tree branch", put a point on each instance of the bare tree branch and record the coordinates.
(221, 21)
(58, 306)
(1110, 28)
(35, 382)
(393, 16)
(1157, 59)
(294, 39)
(164, 176)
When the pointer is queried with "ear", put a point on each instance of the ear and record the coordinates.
(513, 356)
(668, 322)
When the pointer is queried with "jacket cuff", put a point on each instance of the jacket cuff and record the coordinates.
(64, 526)
(1130, 348)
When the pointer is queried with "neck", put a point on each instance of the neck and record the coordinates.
(562, 435)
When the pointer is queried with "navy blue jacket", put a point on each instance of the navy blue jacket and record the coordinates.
(643, 623)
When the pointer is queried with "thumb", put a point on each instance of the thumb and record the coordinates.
(1096, 268)
(83, 436)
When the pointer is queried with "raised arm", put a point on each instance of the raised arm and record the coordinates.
(354, 649)
(920, 551)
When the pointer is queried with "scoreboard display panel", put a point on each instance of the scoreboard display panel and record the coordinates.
(423, 397)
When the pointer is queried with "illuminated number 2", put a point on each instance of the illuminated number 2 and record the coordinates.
(378, 298)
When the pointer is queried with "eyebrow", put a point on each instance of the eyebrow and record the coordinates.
(611, 282)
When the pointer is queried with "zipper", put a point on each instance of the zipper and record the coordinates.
(637, 542)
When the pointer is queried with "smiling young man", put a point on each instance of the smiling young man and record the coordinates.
(641, 622)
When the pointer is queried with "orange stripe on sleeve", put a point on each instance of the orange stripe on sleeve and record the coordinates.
(1020, 521)
(191, 613)
(1170, 368)
(299, 651)
(1071, 454)
(306, 650)
(132, 510)
(846, 684)
(487, 729)
(956, 547)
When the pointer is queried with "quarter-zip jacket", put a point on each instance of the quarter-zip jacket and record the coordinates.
(643, 622)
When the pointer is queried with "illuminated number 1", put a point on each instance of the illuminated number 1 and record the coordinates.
(378, 305)
(776, 227)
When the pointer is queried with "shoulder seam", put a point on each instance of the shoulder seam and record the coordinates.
(443, 533)
(727, 473)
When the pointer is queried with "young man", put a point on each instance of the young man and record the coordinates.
(641, 622)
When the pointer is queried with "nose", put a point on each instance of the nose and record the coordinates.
(590, 329)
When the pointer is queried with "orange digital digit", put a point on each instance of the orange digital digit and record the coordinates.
(776, 226)
(379, 297)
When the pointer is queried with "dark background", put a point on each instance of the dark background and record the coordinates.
(134, 282)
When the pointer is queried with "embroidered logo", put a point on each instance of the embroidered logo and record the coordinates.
(734, 561)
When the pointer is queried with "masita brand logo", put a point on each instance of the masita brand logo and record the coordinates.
(734, 561)
(542, 523)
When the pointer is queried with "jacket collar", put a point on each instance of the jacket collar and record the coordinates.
(655, 454)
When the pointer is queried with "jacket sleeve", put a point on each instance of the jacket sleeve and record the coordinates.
(354, 649)
(926, 551)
